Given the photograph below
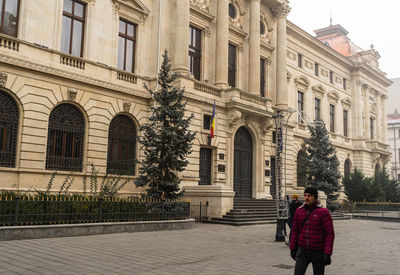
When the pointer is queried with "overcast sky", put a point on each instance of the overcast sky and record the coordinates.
(367, 21)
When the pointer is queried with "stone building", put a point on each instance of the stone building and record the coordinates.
(393, 126)
(72, 75)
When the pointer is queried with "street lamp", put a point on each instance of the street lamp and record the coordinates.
(281, 202)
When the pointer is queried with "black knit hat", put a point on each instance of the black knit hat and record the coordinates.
(312, 190)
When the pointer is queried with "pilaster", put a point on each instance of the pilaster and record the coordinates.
(221, 58)
(254, 44)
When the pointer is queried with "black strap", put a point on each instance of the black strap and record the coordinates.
(305, 220)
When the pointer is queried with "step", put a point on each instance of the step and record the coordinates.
(240, 223)
(253, 211)
(245, 219)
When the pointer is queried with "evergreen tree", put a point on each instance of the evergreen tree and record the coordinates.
(166, 138)
(384, 188)
(357, 187)
(321, 163)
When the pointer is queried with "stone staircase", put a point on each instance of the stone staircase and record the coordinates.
(249, 212)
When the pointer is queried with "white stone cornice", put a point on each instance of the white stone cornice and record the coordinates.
(319, 89)
(346, 102)
(302, 82)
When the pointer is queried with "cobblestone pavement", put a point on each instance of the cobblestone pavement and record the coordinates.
(361, 247)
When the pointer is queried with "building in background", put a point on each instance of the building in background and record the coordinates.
(71, 92)
(393, 125)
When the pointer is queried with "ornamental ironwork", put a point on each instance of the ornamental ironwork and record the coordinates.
(65, 139)
(9, 117)
(121, 157)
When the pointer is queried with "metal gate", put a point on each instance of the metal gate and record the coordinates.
(242, 184)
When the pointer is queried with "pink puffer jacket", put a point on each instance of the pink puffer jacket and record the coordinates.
(316, 234)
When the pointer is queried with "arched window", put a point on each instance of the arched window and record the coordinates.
(65, 139)
(9, 117)
(347, 167)
(301, 169)
(121, 146)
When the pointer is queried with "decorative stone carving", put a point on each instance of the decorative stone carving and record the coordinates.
(288, 76)
(134, 6)
(302, 82)
(266, 36)
(126, 106)
(346, 102)
(233, 117)
(240, 12)
(308, 64)
(3, 79)
(207, 32)
(319, 90)
(334, 96)
(281, 10)
(72, 94)
(291, 55)
(324, 72)
(202, 4)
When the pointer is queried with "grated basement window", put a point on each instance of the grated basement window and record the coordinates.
(65, 139)
(9, 117)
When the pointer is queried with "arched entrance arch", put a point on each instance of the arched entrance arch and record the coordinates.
(242, 169)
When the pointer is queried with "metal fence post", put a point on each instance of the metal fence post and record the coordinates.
(16, 211)
(100, 209)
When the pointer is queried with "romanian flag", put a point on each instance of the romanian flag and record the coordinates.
(212, 130)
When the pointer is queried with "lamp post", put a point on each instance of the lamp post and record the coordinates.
(281, 205)
(281, 202)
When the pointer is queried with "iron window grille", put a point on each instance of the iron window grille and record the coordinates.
(332, 118)
(9, 117)
(121, 158)
(317, 109)
(65, 139)
(195, 52)
(207, 122)
(345, 123)
(126, 46)
(205, 166)
(73, 24)
(300, 105)
(9, 17)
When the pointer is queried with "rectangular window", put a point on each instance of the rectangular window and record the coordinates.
(371, 127)
(232, 65)
(331, 77)
(300, 104)
(262, 77)
(207, 122)
(73, 23)
(195, 52)
(345, 123)
(317, 107)
(126, 46)
(9, 17)
(344, 84)
(399, 133)
(316, 69)
(274, 137)
(332, 117)
(205, 166)
(300, 60)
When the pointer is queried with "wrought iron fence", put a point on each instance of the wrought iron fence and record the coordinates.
(383, 209)
(27, 210)
(199, 212)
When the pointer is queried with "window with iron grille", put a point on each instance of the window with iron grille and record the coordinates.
(300, 105)
(126, 46)
(9, 17)
(9, 116)
(65, 139)
(232, 65)
(73, 24)
(299, 60)
(371, 127)
(205, 166)
(345, 123)
(195, 52)
(332, 117)
(262, 77)
(207, 122)
(316, 69)
(317, 107)
(121, 156)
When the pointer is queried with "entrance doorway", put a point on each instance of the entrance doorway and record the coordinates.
(242, 183)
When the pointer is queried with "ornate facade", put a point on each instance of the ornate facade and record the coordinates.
(72, 88)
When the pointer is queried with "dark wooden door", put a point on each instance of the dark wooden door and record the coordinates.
(242, 183)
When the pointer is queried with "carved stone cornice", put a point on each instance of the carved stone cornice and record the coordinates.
(69, 75)
(281, 10)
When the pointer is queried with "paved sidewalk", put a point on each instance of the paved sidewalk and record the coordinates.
(361, 248)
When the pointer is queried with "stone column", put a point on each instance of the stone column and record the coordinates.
(384, 118)
(182, 36)
(254, 48)
(367, 135)
(379, 117)
(357, 113)
(221, 50)
(281, 11)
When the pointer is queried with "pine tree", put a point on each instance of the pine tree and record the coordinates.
(166, 138)
(321, 163)
(357, 187)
